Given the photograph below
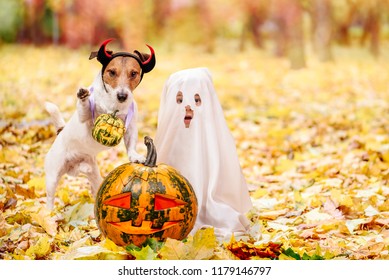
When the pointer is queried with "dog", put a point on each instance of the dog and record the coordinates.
(74, 149)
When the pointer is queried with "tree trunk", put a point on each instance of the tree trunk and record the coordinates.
(372, 26)
(295, 34)
(161, 13)
(207, 25)
(322, 29)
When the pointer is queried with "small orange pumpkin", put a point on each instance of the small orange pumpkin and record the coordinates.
(140, 201)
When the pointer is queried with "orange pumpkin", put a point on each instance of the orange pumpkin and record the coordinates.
(140, 201)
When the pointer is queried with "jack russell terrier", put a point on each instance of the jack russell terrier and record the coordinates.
(74, 150)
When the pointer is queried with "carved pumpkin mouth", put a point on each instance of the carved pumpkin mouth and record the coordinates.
(161, 202)
(145, 227)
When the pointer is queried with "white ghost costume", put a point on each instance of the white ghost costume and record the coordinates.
(202, 148)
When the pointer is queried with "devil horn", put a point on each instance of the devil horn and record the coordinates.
(103, 55)
(149, 64)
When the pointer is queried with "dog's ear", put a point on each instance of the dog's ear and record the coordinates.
(94, 54)
(143, 56)
(148, 60)
(103, 55)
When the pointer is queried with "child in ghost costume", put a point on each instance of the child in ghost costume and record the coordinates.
(193, 137)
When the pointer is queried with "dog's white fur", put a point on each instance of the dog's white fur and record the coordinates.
(74, 150)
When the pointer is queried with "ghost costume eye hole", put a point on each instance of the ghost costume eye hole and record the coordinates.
(197, 99)
(179, 97)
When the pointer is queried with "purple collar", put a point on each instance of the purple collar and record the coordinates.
(92, 104)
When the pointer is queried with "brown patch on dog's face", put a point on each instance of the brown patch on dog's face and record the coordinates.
(122, 72)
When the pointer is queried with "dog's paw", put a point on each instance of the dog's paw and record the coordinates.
(83, 94)
(135, 157)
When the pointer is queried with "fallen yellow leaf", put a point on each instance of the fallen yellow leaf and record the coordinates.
(41, 248)
(45, 220)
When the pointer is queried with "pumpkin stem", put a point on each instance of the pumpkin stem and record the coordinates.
(114, 113)
(151, 157)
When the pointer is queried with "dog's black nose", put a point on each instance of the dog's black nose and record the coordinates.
(122, 96)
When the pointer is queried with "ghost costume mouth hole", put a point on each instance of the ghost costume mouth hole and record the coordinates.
(188, 117)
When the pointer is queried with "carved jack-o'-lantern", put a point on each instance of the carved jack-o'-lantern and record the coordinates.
(139, 201)
(108, 129)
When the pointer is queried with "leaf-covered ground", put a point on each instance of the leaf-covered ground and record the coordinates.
(313, 145)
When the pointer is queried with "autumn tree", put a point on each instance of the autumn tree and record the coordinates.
(255, 14)
(321, 14)
(343, 14)
(207, 24)
(161, 10)
(130, 21)
(79, 22)
(371, 15)
(32, 31)
(288, 16)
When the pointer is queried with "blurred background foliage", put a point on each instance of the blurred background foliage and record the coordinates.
(283, 28)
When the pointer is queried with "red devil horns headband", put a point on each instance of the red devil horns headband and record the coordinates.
(146, 62)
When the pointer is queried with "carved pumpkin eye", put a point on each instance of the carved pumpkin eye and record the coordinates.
(122, 200)
(163, 201)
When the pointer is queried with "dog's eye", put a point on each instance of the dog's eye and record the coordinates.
(197, 99)
(111, 73)
(179, 97)
(133, 74)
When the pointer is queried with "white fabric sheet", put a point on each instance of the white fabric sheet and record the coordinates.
(203, 150)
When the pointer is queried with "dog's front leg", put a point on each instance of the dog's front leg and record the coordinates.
(130, 140)
(83, 105)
